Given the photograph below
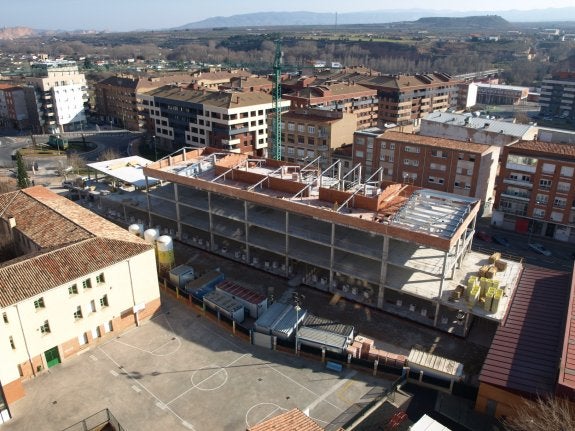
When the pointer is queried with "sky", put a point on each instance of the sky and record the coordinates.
(126, 15)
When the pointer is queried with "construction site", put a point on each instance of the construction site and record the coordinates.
(394, 247)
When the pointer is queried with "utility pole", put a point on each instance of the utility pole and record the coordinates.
(276, 150)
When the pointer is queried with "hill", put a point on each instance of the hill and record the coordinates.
(488, 22)
(274, 19)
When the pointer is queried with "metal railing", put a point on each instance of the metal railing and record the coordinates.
(97, 422)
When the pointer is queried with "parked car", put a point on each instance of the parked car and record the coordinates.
(501, 240)
(483, 236)
(538, 248)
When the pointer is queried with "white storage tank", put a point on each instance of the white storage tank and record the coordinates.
(150, 236)
(165, 249)
(136, 229)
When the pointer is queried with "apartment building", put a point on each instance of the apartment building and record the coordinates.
(117, 100)
(248, 83)
(61, 93)
(479, 130)
(404, 99)
(535, 190)
(447, 165)
(67, 279)
(558, 96)
(18, 108)
(347, 97)
(498, 94)
(228, 120)
(213, 79)
(311, 133)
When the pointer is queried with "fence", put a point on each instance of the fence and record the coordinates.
(98, 421)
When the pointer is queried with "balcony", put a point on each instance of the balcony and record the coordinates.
(521, 168)
(525, 197)
(519, 183)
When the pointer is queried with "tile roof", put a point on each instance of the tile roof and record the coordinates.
(451, 144)
(544, 147)
(339, 89)
(292, 420)
(70, 241)
(524, 355)
(567, 371)
(221, 99)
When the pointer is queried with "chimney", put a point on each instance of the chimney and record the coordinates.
(12, 222)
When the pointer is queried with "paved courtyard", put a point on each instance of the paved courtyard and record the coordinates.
(182, 371)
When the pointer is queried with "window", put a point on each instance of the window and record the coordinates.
(311, 130)
(78, 313)
(563, 187)
(538, 213)
(392, 146)
(409, 149)
(39, 303)
(548, 168)
(73, 290)
(438, 153)
(5, 317)
(390, 158)
(291, 127)
(545, 184)
(566, 171)
(12, 343)
(359, 154)
(92, 306)
(87, 284)
(100, 278)
(301, 128)
(383, 145)
(560, 202)
(45, 328)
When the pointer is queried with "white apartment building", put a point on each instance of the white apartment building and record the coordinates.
(61, 93)
(229, 120)
(68, 278)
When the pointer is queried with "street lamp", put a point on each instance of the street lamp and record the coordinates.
(297, 299)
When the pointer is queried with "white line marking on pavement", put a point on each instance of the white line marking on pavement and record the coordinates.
(93, 358)
(115, 374)
(334, 388)
(187, 425)
(145, 389)
(137, 389)
(305, 387)
(161, 405)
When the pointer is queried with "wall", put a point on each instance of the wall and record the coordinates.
(507, 401)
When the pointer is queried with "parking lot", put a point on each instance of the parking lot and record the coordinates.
(182, 371)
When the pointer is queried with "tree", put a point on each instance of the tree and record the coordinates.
(109, 154)
(543, 414)
(76, 162)
(21, 174)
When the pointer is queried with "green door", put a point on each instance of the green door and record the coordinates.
(52, 357)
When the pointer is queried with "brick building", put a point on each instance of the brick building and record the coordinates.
(117, 99)
(346, 97)
(535, 190)
(18, 108)
(464, 168)
(311, 133)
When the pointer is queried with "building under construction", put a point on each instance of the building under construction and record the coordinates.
(398, 248)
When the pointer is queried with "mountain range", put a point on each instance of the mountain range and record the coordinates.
(273, 19)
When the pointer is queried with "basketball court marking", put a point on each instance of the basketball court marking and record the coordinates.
(269, 406)
(217, 372)
(194, 385)
(158, 401)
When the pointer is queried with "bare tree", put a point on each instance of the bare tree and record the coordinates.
(76, 162)
(109, 154)
(543, 414)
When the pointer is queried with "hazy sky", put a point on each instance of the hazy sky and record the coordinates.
(153, 14)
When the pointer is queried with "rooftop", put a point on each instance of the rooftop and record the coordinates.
(127, 169)
(291, 420)
(451, 144)
(550, 148)
(525, 351)
(397, 210)
(220, 99)
(67, 242)
(567, 370)
(478, 123)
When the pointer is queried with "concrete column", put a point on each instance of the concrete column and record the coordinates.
(331, 258)
(383, 272)
(441, 282)
(286, 261)
(246, 224)
(211, 222)
(148, 201)
(375, 364)
(177, 202)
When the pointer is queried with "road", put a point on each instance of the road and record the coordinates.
(518, 248)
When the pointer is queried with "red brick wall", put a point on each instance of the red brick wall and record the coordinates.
(13, 391)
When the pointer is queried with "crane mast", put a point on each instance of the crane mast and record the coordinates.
(276, 150)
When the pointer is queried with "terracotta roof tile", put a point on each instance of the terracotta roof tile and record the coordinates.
(451, 144)
(70, 242)
(544, 147)
(292, 420)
